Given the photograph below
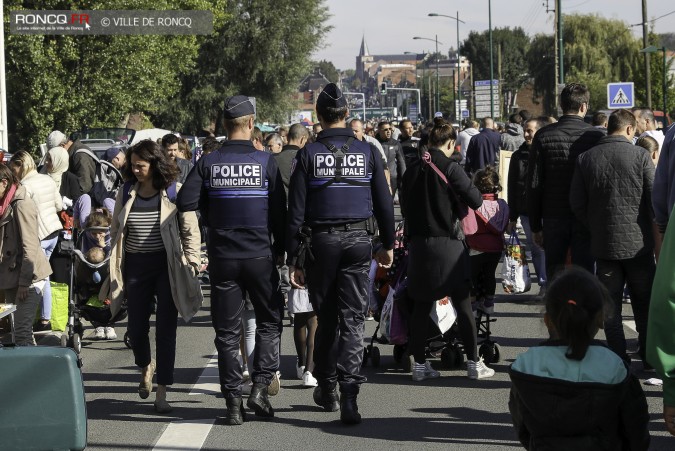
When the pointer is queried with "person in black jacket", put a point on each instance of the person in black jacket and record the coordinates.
(571, 392)
(337, 185)
(554, 151)
(439, 262)
(517, 184)
(297, 138)
(611, 194)
(394, 153)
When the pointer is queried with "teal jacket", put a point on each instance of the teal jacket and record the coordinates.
(661, 326)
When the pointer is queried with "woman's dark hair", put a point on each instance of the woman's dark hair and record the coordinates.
(487, 180)
(7, 174)
(574, 300)
(442, 132)
(164, 171)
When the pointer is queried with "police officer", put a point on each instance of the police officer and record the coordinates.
(241, 197)
(336, 185)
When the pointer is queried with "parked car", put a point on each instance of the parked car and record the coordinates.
(101, 139)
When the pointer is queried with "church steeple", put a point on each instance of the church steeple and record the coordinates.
(364, 47)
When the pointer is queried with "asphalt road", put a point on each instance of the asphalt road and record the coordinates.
(451, 412)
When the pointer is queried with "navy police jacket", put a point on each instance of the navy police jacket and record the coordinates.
(241, 197)
(337, 203)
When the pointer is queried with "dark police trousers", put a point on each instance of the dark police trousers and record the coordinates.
(260, 278)
(338, 290)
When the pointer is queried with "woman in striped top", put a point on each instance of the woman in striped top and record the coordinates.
(153, 248)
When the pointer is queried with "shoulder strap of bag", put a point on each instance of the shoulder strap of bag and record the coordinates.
(88, 152)
(426, 158)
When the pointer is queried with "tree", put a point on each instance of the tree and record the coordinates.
(512, 45)
(328, 70)
(599, 51)
(656, 72)
(66, 82)
(259, 51)
(541, 66)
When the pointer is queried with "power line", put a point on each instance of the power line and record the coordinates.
(653, 20)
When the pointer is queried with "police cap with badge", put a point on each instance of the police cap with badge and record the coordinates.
(331, 97)
(238, 106)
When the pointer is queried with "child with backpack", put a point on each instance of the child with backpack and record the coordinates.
(572, 392)
(487, 242)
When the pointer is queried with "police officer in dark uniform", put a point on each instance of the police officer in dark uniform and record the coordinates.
(336, 185)
(241, 197)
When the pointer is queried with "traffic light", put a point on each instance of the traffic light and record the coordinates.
(383, 88)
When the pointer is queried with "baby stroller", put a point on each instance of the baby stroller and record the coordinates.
(447, 345)
(86, 279)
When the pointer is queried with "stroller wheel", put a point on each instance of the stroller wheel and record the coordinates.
(489, 352)
(497, 355)
(459, 358)
(127, 340)
(375, 357)
(75, 342)
(64, 339)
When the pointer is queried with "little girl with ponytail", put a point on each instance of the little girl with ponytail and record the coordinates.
(572, 392)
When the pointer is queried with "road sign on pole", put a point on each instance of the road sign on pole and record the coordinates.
(620, 95)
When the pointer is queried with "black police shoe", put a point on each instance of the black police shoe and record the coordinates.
(258, 401)
(349, 411)
(327, 397)
(235, 411)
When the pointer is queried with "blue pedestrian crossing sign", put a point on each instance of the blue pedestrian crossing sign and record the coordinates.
(620, 95)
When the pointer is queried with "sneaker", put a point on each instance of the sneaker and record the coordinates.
(99, 333)
(308, 380)
(275, 385)
(300, 371)
(421, 371)
(110, 333)
(487, 306)
(478, 370)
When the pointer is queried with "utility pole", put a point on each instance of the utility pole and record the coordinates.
(492, 70)
(645, 44)
(561, 47)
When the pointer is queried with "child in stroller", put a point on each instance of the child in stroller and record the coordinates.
(90, 269)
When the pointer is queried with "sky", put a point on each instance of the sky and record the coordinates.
(390, 25)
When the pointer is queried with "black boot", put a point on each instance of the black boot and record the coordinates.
(349, 411)
(235, 411)
(327, 398)
(258, 401)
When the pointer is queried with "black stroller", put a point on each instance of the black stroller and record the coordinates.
(447, 346)
(86, 279)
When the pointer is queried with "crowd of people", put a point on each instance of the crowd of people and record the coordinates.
(288, 221)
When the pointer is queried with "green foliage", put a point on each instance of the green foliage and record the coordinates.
(656, 72)
(65, 82)
(513, 44)
(541, 64)
(598, 51)
(328, 70)
(259, 51)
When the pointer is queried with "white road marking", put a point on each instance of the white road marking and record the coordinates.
(208, 382)
(630, 325)
(184, 435)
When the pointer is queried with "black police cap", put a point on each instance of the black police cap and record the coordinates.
(237, 106)
(331, 97)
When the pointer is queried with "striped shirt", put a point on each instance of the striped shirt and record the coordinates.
(142, 229)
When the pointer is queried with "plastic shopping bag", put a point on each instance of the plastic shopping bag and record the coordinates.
(59, 317)
(515, 272)
(385, 314)
(443, 314)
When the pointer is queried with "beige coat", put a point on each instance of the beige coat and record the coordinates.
(181, 237)
(22, 260)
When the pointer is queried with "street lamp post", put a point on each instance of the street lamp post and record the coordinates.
(459, 70)
(653, 49)
(436, 41)
(492, 67)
